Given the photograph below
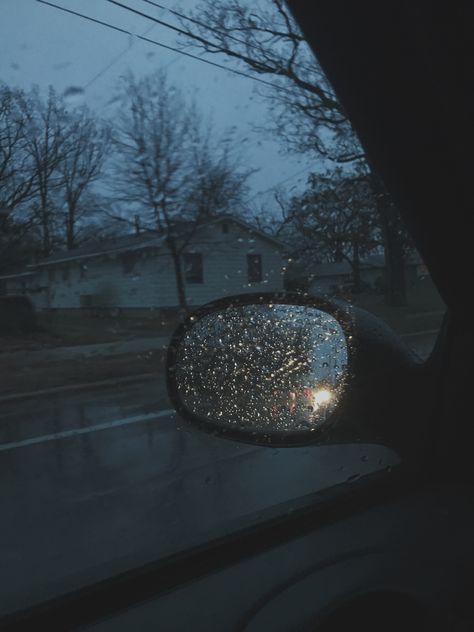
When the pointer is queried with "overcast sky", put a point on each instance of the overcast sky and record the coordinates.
(45, 46)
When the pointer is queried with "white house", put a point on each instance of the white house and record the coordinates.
(136, 273)
(329, 278)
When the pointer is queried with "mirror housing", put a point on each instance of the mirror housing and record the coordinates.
(269, 369)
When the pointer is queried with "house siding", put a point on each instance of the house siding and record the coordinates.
(150, 282)
(375, 277)
(225, 264)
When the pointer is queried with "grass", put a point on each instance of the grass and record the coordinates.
(80, 329)
(28, 378)
(424, 311)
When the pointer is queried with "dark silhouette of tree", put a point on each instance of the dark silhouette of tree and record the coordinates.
(167, 167)
(264, 39)
(86, 146)
(17, 182)
(334, 220)
(45, 143)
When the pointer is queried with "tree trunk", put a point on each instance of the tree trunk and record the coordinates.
(180, 287)
(70, 223)
(46, 237)
(356, 266)
(395, 287)
(70, 229)
(70, 238)
(395, 281)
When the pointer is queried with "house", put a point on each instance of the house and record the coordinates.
(329, 278)
(135, 273)
(15, 284)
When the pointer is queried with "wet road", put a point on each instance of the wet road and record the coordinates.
(96, 482)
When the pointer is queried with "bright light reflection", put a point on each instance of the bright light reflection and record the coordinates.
(322, 397)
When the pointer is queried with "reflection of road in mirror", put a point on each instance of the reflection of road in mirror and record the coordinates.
(263, 367)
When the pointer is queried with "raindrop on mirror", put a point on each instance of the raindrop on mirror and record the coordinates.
(263, 368)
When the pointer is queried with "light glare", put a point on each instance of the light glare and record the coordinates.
(322, 397)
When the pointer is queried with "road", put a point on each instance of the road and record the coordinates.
(94, 483)
(97, 481)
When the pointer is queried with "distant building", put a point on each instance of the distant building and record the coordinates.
(135, 273)
(331, 278)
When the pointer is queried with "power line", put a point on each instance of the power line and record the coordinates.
(160, 44)
(148, 17)
(176, 28)
(165, 46)
(113, 61)
(181, 31)
(212, 29)
(104, 70)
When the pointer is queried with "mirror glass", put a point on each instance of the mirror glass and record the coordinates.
(263, 368)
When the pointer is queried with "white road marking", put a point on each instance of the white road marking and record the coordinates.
(79, 431)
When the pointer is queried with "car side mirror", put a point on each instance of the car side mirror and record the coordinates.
(267, 369)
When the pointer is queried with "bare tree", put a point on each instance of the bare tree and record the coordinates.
(49, 158)
(84, 152)
(166, 167)
(220, 182)
(333, 221)
(264, 39)
(16, 179)
(45, 123)
(17, 184)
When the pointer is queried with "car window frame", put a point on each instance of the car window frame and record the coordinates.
(103, 599)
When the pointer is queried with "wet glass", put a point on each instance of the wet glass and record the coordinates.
(263, 368)
(157, 192)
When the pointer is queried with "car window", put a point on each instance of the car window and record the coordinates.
(155, 157)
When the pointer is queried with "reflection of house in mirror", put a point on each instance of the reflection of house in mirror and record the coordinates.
(136, 273)
(330, 350)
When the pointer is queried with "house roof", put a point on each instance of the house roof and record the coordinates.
(119, 244)
(252, 229)
(378, 261)
(142, 241)
(303, 269)
(331, 269)
(17, 275)
(300, 269)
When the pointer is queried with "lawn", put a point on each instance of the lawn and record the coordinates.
(26, 378)
(423, 312)
(82, 329)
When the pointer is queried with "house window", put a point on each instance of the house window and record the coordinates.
(225, 227)
(193, 272)
(129, 261)
(83, 269)
(254, 268)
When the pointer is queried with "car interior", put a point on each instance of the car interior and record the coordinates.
(392, 550)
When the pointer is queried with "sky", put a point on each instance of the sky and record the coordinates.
(42, 45)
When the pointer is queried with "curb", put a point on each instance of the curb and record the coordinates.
(78, 387)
